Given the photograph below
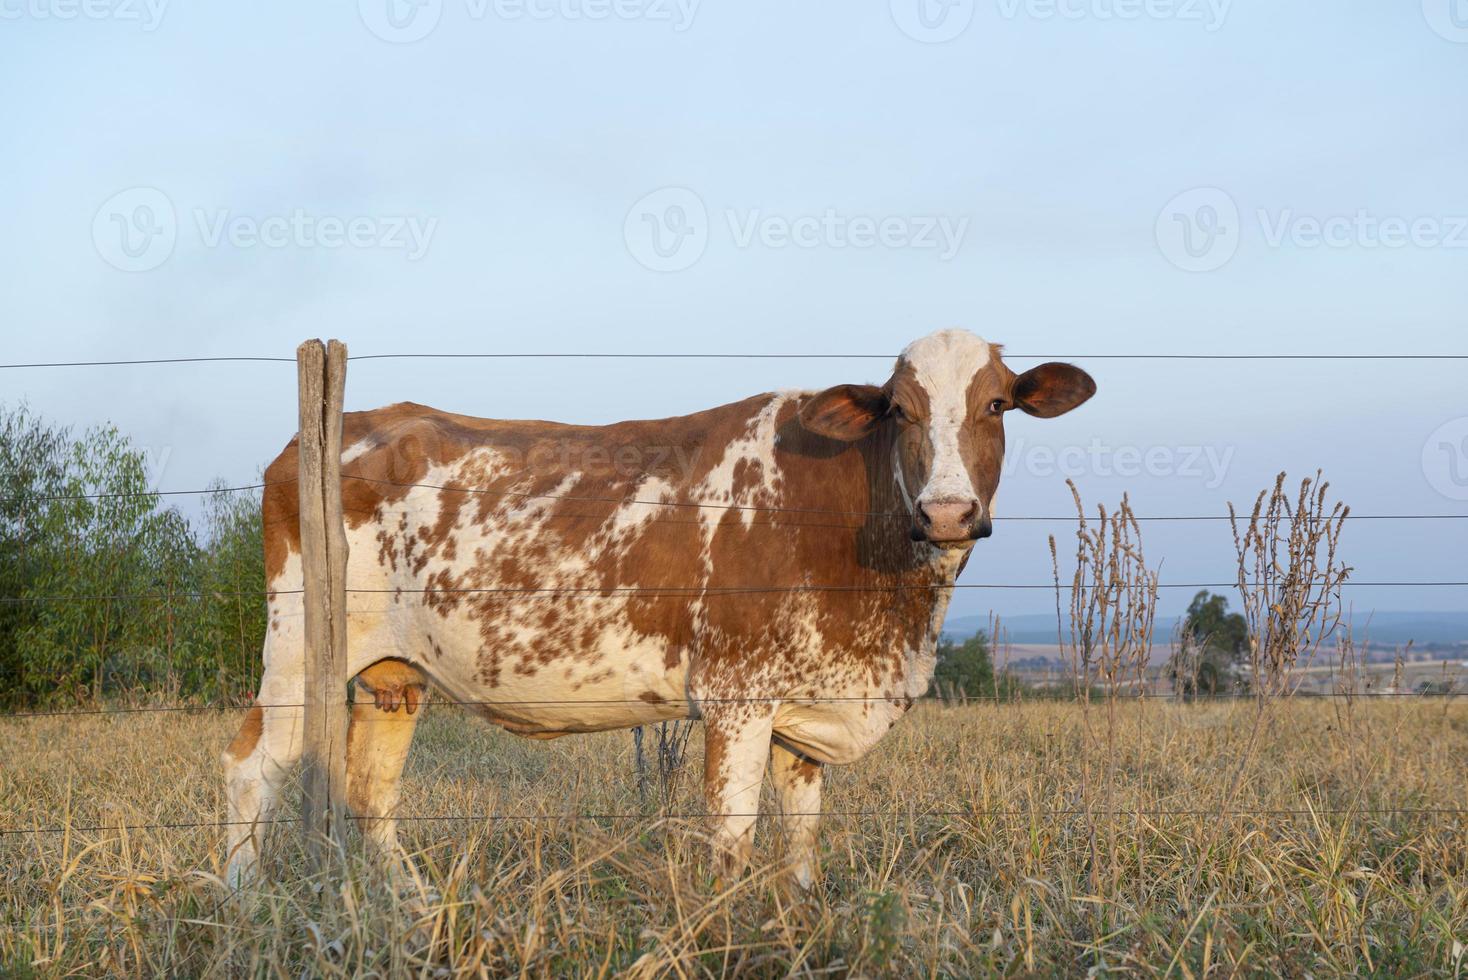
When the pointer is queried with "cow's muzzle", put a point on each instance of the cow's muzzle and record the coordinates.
(950, 522)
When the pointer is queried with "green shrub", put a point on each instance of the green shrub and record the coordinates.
(107, 593)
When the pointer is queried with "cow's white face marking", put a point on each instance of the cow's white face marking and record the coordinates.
(945, 364)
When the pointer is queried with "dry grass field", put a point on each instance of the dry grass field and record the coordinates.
(1017, 839)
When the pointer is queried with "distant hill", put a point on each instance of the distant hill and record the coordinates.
(1390, 628)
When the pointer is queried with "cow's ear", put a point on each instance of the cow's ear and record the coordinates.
(1052, 389)
(845, 412)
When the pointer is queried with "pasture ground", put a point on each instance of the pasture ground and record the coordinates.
(1202, 840)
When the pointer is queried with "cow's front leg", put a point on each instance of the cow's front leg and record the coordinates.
(736, 745)
(797, 782)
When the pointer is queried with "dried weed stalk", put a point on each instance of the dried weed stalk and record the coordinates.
(1113, 602)
(670, 752)
(1289, 579)
(1113, 607)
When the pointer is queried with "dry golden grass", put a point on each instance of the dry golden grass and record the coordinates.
(1160, 884)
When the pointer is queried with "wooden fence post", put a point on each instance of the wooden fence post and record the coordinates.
(321, 374)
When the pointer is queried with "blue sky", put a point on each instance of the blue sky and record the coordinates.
(1064, 176)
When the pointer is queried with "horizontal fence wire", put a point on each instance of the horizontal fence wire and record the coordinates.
(667, 817)
(1043, 696)
(699, 592)
(677, 504)
(756, 508)
(685, 592)
(796, 356)
(132, 494)
(729, 355)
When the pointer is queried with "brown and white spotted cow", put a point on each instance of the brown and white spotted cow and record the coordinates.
(778, 568)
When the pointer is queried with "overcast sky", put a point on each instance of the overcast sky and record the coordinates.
(1067, 177)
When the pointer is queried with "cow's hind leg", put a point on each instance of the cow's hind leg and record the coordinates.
(386, 701)
(736, 746)
(797, 782)
(257, 764)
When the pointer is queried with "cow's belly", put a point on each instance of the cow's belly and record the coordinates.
(547, 682)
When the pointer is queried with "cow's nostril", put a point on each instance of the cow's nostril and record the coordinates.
(971, 513)
(924, 518)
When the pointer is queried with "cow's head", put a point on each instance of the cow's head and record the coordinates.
(943, 413)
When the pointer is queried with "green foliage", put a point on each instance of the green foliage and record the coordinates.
(883, 921)
(32, 463)
(106, 592)
(1212, 646)
(1215, 628)
(966, 670)
(230, 620)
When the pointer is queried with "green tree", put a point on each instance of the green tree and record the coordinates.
(106, 593)
(105, 557)
(228, 622)
(964, 669)
(1212, 644)
(32, 467)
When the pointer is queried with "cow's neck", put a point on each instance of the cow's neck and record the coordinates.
(822, 476)
(929, 571)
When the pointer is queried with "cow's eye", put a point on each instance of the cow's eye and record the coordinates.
(996, 407)
(901, 413)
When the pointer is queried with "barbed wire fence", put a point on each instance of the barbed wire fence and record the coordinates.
(775, 517)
